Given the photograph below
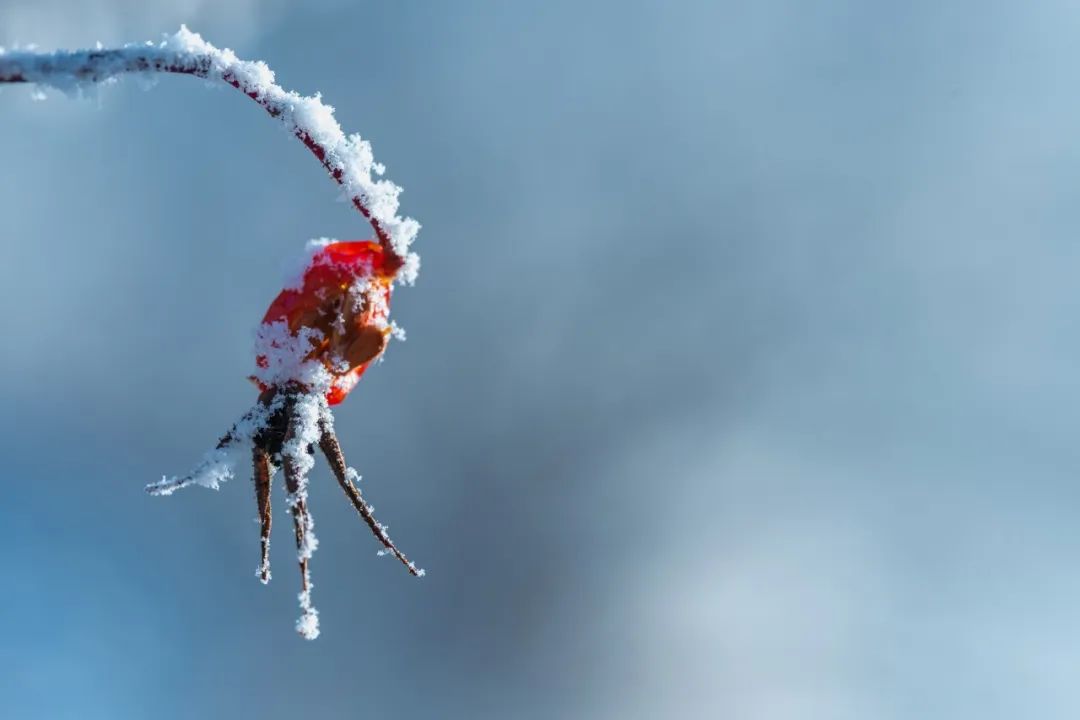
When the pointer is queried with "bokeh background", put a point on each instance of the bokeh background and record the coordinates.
(740, 380)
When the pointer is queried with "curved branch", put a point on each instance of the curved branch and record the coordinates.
(348, 159)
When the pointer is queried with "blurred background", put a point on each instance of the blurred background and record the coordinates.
(739, 383)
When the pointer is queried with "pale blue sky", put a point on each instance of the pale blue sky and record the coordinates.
(740, 379)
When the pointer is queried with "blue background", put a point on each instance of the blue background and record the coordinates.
(740, 380)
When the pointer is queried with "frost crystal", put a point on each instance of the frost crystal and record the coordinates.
(308, 622)
(286, 357)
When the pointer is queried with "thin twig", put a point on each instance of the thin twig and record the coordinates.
(262, 473)
(330, 446)
(293, 481)
(98, 65)
(167, 486)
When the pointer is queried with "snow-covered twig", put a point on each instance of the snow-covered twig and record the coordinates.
(217, 466)
(348, 158)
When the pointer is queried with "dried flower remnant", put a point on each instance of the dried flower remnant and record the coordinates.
(322, 332)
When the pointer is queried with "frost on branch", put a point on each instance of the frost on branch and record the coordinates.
(324, 329)
(348, 158)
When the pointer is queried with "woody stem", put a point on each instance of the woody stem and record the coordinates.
(330, 446)
(96, 65)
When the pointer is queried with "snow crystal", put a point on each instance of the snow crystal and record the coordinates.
(308, 622)
(215, 468)
(308, 411)
(263, 571)
(283, 357)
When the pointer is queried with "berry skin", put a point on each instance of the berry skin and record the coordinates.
(345, 296)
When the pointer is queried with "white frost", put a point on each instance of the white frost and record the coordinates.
(308, 622)
(283, 357)
(295, 268)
